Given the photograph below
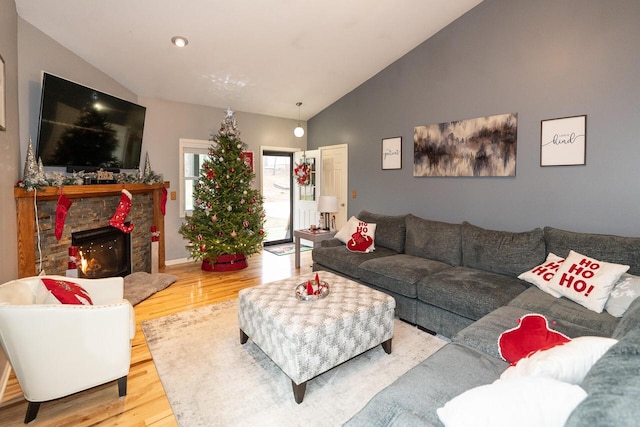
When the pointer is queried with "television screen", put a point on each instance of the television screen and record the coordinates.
(84, 129)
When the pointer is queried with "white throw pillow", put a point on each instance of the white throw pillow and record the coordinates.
(624, 292)
(568, 362)
(542, 274)
(343, 234)
(586, 281)
(522, 402)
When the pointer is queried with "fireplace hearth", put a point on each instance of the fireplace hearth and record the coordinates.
(103, 252)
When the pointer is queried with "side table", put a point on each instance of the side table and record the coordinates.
(314, 236)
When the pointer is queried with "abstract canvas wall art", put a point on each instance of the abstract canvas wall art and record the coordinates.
(484, 146)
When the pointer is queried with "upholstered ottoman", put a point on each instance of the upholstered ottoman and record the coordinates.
(307, 338)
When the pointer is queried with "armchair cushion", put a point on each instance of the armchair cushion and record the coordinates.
(66, 292)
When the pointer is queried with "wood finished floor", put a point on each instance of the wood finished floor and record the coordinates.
(146, 403)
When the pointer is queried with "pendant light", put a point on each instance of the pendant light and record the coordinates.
(298, 131)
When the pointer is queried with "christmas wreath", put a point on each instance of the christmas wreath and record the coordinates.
(302, 174)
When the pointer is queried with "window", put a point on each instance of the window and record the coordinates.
(193, 153)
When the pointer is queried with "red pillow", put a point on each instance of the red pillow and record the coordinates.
(67, 292)
(531, 334)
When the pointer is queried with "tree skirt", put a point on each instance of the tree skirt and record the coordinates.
(140, 286)
(212, 380)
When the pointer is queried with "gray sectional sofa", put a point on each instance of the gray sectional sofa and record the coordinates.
(460, 280)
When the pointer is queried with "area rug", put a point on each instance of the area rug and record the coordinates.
(286, 249)
(141, 285)
(212, 380)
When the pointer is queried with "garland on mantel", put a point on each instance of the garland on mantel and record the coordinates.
(34, 176)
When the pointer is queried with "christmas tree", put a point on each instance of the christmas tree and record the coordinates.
(228, 217)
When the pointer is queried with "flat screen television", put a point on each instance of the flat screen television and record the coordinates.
(83, 129)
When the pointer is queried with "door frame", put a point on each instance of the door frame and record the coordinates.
(283, 150)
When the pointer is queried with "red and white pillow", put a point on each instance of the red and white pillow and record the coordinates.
(359, 236)
(586, 280)
(542, 274)
(532, 334)
(65, 292)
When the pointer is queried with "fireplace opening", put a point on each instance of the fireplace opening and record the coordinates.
(103, 252)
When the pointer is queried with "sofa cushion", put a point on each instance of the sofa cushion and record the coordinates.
(576, 319)
(340, 259)
(613, 385)
(436, 240)
(483, 335)
(468, 292)
(398, 273)
(445, 374)
(501, 252)
(615, 249)
(390, 230)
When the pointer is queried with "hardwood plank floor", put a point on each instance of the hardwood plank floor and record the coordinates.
(146, 403)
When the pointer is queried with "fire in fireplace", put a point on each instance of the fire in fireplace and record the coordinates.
(103, 252)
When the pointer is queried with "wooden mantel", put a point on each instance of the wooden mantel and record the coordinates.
(26, 215)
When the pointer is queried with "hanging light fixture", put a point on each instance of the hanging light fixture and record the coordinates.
(298, 131)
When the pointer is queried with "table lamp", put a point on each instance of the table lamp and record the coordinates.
(326, 206)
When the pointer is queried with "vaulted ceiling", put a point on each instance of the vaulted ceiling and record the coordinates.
(257, 56)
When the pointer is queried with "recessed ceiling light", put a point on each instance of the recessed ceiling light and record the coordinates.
(179, 41)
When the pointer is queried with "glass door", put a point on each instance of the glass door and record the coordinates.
(277, 184)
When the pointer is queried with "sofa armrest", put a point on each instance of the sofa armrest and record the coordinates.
(331, 243)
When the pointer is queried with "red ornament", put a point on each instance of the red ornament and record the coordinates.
(309, 288)
(211, 174)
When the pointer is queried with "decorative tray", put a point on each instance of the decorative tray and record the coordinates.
(319, 292)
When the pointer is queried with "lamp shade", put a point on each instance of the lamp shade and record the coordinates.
(327, 204)
(299, 131)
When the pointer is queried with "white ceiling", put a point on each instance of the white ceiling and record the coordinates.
(257, 56)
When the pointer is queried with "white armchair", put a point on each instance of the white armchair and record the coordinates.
(59, 349)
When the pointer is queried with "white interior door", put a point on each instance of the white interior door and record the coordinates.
(305, 198)
(335, 177)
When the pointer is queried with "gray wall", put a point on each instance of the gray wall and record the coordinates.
(9, 153)
(9, 143)
(541, 59)
(166, 122)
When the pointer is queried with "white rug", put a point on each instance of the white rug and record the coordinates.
(213, 380)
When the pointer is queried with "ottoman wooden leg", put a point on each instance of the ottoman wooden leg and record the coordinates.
(387, 346)
(243, 337)
(298, 391)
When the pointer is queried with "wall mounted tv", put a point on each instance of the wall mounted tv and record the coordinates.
(83, 129)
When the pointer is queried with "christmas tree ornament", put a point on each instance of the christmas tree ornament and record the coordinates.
(62, 207)
(122, 210)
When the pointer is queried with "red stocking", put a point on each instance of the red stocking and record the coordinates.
(124, 206)
(163, 202)
(61, 213)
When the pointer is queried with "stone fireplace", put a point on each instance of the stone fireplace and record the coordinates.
(92, 207)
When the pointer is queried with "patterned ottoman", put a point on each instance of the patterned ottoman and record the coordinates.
(307, 338)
